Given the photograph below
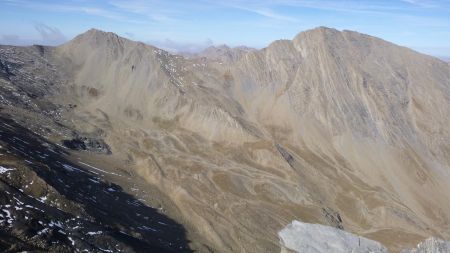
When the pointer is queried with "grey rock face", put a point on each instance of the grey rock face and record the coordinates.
(315, 238)
(431, 245)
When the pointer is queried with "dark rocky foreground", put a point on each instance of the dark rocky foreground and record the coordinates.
(48, 203)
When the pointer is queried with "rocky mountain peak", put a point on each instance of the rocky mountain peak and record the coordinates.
(321, 32)
(96, 33)
(98, 38)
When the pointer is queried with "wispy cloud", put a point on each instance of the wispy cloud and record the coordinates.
(86, 8)
(263, 8)
(270, 5)
(268, 13)
(159, 11)
(154, 10)
(50, 35)
(271, 14)
(355, 6)
(428, 3)
(47, 35)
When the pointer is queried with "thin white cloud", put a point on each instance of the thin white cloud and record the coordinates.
(263, 8)
(355, 6)
(161, 11)
(267, 7)
(50, 35)
(134, 6)
(343, 6)
(154, 10)
(86, 8)
(428, 3)
(95, 12)
(47, 35)
(271, 14)
(268, 13)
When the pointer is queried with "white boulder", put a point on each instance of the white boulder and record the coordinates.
(314, 238)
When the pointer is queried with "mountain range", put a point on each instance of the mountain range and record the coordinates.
(233, 144)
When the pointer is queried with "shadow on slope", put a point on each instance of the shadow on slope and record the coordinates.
(119, 221)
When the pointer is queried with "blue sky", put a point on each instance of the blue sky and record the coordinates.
(189, 25)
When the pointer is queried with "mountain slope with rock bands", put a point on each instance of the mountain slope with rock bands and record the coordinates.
(332, 127)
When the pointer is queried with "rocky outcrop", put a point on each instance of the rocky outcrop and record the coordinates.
(314, 238)
(431, 245)
(83, 143)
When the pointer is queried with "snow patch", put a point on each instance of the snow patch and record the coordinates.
(43, 231)
(8, 216)
(95, 168)
(94, 233)
(56, 224)
(42, 199)
(106, 250)
(71, 240)
(148, 228)
(4, 169)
